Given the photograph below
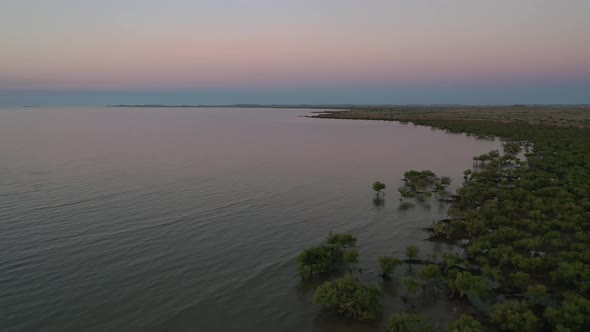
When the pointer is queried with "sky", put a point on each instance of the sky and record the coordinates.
(99, 52)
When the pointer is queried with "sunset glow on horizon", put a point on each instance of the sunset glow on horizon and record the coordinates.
(203, 45)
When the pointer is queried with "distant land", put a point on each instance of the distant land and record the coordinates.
(346, 106)
(239, 106)
(554, 115)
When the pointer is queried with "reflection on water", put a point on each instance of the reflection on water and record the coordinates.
(404, 205)
(191, 219)
(379, 202)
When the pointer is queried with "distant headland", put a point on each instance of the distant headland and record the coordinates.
(337, 106)
(352, 106)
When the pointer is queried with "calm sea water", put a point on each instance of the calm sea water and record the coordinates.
(148, 219)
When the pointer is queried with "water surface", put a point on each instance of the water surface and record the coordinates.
(160, 219)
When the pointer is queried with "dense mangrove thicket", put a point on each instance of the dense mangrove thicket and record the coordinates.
(527, 226)
(524, 226)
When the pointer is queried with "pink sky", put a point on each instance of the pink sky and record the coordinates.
(196, 45)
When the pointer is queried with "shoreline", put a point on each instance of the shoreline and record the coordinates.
(505, 214)
(556, 116)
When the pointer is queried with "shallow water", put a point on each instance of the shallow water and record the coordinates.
(148, 219)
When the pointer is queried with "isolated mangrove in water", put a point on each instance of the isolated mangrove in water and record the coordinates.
(350, 298)
(339, 248)
(387, 264)
(316, 260)
(378, 187)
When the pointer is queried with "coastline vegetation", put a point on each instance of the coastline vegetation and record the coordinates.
(523, 225)
(549, 115)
